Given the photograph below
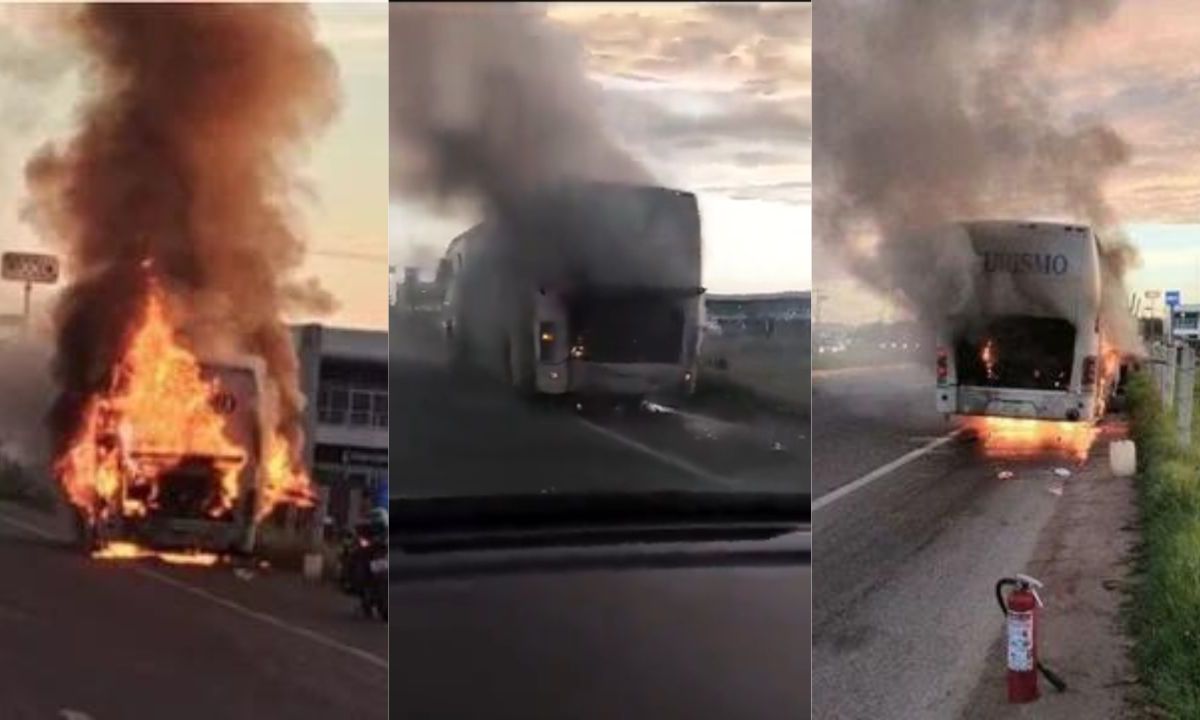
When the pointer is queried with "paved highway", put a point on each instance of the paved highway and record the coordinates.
(905, 558)
(84, 639)
(461, 435)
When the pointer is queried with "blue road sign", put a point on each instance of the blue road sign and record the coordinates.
(1171, 298)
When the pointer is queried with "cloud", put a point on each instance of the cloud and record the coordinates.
(1141, 73)
(691, 87)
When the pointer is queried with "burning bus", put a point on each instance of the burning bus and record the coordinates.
(1027, 341)
(176, 452)
(589, 288)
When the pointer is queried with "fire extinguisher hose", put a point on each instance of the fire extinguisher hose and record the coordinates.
(1051, 677)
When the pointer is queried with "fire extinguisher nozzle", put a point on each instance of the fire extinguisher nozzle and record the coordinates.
(1052, 677)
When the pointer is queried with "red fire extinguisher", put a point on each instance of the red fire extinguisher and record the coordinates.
(1021, 611)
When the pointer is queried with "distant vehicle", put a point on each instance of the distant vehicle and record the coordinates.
(590, 289)
(166, 500)
(1029, 342)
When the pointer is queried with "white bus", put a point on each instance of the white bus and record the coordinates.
(1026, 341)
(593, 288)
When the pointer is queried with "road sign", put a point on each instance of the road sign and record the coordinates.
(1172, 298)
(29, 267)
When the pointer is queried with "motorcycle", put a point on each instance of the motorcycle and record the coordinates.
(365, 567)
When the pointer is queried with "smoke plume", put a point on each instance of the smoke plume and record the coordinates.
(181, 168)
(490, 102)
(935, 111)
(27, 387)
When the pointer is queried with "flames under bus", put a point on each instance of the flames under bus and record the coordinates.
(172, 499)
(1027, 340)
(589, 289)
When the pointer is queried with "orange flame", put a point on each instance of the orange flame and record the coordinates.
(158, 411)
(1012, 438)
(133, 551)
(284, 482)
(988, 356)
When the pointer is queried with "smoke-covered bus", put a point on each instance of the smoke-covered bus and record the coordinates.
(1024, 337)
(586, 289)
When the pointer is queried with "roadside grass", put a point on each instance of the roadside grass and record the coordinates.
(1165, 610)
(755, 373)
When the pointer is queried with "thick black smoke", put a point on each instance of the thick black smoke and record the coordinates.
(182, 167)
(491, 102)
(933, 111)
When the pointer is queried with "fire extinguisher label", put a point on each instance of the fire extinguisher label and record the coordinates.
(1020, 641)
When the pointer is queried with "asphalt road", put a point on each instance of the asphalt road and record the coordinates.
(84, 639)
(904, 564)
(455, 434)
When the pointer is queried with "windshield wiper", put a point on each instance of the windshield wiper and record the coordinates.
(538, 520)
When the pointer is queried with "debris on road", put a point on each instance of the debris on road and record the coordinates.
(777, 446)
(1062, 472)
(1006, 475)
(243, 574)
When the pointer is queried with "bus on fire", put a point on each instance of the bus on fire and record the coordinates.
(1027, 339)
(586, 289)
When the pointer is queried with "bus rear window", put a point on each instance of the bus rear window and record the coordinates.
(641, 329)
(1016, 352)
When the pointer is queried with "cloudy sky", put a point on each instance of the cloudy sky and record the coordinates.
(343, 202)
(1139, 71)
(715, 99)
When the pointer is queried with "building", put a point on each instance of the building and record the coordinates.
(760, 313)
(344, 374)
(1185, 323)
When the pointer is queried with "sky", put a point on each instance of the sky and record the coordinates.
(713, 99)
(343, 182)
(1139, 71)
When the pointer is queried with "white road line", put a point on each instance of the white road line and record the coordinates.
(238, 608)
(835, 495)
(835, 372)
(267, 619)
(22, 525)
(665, 458)
(69, 714)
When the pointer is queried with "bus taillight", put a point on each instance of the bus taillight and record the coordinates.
(546, 336)
(943, 366)
(1089, 370)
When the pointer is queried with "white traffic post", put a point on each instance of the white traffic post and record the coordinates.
(1185, 384)
(1169, 354)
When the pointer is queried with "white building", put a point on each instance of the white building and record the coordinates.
(1185, 323)
(344, 374)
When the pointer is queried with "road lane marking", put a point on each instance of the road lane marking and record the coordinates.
(22, 525)
(267, 618)
(835, 495)
(834, 372)
(69, 714)
(263, 617)
(666, 458)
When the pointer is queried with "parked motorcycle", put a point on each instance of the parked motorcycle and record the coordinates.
(365, 565)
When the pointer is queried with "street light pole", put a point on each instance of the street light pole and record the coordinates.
(25, 312)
